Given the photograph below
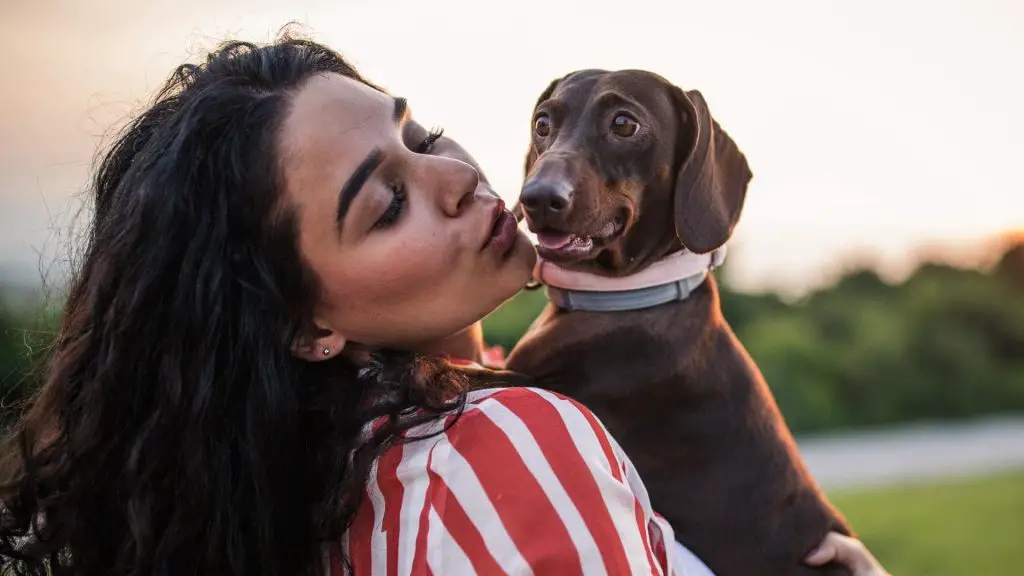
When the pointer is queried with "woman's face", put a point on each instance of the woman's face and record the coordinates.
(409, 242)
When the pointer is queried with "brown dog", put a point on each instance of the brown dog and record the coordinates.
(624, 170)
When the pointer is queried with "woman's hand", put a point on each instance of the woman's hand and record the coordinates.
(847, 551)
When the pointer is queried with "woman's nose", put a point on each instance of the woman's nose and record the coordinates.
(456, 185)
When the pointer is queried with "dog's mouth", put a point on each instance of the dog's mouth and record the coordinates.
(557, 245)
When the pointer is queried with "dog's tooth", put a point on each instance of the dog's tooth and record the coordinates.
(607, 230)
(582, 243)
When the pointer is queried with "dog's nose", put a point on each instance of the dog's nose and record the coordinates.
(546, 197)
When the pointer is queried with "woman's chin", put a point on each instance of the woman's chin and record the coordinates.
(513, 279)
(525, 255)
(524, 266)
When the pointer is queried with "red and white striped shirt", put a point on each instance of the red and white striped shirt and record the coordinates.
(525, 482)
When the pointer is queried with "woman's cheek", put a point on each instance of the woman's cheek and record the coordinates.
(410, 267)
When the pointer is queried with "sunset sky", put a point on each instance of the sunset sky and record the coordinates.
(873, 128)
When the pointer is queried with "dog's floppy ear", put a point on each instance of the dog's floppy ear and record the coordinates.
(711, 177)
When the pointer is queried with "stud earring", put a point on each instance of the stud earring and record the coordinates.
(327, 351)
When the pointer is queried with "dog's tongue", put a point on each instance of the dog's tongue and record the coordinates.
(553, 241)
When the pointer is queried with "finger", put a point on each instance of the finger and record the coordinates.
(823, 554)
(843, 550)
(852, 553)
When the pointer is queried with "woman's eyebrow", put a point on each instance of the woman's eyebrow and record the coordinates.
(355, 182)
(362, 173)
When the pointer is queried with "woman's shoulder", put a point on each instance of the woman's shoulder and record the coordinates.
(524, 422)
(536, 422)
(519, 394)
(522, 409)
(519, 480)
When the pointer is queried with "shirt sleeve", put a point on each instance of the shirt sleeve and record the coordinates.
(524, 482)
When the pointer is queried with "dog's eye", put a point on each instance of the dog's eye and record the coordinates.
(542, 126)
(624, 126)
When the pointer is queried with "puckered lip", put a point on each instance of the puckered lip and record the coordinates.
(501, 231)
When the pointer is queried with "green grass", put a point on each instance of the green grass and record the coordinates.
(964, 528)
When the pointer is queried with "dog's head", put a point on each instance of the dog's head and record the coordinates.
(623, 168)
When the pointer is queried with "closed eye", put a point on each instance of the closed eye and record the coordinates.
(394, 209)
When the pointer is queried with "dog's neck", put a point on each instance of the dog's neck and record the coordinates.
(670, 279)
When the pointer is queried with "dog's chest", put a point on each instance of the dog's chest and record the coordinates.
(612, 354)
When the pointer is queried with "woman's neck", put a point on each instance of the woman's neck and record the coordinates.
(467, 344)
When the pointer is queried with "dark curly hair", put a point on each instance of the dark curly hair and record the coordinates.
(174, 432)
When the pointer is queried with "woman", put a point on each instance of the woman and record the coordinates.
(279, 261)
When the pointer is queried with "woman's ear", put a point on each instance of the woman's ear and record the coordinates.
(324, 344)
